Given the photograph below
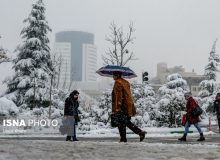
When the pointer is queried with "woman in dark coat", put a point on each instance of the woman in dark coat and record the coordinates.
(71, 114)
(190, 106)
(217, 108)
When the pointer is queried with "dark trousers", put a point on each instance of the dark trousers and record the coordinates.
(218, 117)
(131, 126)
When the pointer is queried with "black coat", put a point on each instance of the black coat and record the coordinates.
(71, 108)
(217, 106)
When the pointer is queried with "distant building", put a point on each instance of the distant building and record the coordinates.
(89, 63)
(79, 62)
(163, 71)
(63, 51)
(79, 56)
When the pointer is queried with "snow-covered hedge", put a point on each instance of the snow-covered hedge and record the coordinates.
(7, 107)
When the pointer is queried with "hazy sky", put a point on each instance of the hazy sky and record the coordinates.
(179, 32)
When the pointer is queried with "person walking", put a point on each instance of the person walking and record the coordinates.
(217, 108)
(190, 106)
(122, 102)
(71, 114)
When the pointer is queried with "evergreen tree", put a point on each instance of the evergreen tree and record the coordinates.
(172, 99)
(33, 63)
(209, 86)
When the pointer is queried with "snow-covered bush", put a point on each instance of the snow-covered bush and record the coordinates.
(8, 108)
(144, 101)
(98, 114)
(171, 99)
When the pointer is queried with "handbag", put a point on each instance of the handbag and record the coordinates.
(197, 111)
(67, 126)
(184, 120)
(118, 118)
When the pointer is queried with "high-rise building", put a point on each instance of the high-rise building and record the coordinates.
(80, 59)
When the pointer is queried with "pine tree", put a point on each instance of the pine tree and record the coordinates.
(209, 86)
(172, 100)
(33, 63)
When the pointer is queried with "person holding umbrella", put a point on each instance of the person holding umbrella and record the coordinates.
(122, 101)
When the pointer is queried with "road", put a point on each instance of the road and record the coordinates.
(109, 149)
(152, 148)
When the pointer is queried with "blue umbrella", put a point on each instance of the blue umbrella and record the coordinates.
(108, 70)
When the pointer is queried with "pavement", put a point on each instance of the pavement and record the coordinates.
(210, 139)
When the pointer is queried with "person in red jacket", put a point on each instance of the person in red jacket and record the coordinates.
(190, 106)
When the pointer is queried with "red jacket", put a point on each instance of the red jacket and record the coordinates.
(190, 106)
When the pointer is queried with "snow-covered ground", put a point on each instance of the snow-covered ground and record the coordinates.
(88, 150)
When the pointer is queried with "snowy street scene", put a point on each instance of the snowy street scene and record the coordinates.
(109, 80)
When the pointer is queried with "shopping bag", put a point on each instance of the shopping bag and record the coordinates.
(184, 120)
(118, 118)
(67, 126)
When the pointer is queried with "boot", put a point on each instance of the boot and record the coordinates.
(122, 132)
(123, 140)
(142, 136)
(202, 138)
(68, 138)
(183, 138)
(74, 138)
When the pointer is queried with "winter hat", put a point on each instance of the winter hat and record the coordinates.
(75, 92)
(218, 94)
(187, 94)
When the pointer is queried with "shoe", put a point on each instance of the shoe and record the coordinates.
(142, 136)
(123, 140)
(75, 139)
(183, 138)
(68, 138)
(202, 138)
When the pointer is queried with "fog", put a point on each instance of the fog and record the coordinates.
(179, 32)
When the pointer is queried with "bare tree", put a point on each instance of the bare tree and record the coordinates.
(119, 54)
(59, 64)
(55, 62)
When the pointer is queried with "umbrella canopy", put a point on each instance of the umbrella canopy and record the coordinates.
(108, 70)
